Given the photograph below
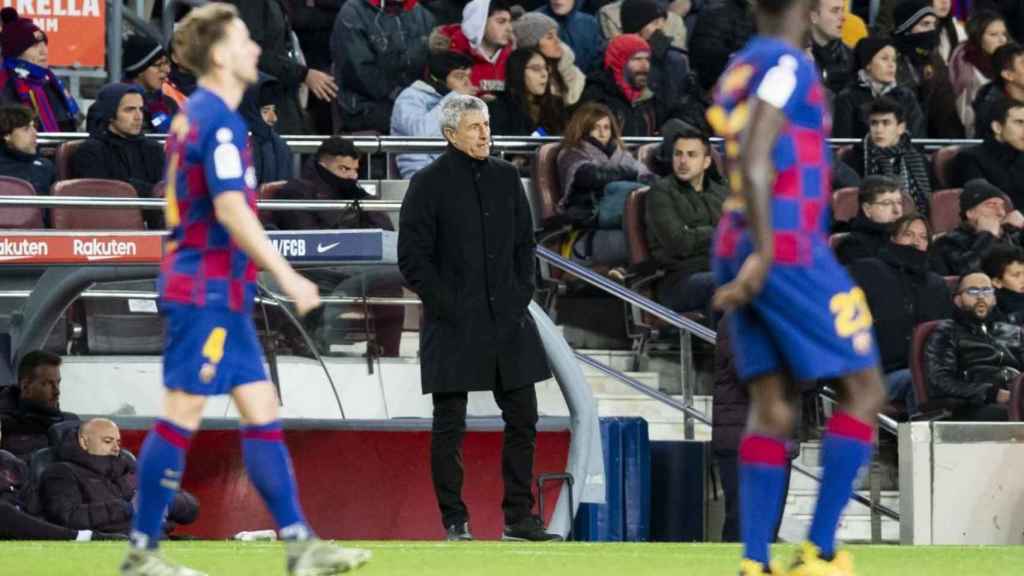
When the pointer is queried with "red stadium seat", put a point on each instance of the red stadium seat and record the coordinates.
(944, 210)
(269, 191)
(844, 204)
(942, 166)
(94, 218)
(19, 217)
(1016, 398)
(62, 161)
(645, 154)
(925, 404)
(546, 189)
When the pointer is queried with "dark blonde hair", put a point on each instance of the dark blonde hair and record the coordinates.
(198, 32)
(582, 122)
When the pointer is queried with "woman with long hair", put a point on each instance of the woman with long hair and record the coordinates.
(951, 30)
(527, 106)
(970, 66)
(595, 169)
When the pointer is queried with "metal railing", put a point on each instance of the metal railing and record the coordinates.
(159, 203)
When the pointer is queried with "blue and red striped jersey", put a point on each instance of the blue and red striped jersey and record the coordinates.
(783, 77)
(207, 154)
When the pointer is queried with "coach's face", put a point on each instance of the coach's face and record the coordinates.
(473, 134)
(239, 53)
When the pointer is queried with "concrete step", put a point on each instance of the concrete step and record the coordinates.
(600, 383)
(663, 422)
(803, 502)
(852, 528)
(621, 360)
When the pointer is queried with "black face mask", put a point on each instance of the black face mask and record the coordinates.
(343, 188)
(918, 46)
(909, 256)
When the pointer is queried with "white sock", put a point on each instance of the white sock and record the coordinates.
(84, 536)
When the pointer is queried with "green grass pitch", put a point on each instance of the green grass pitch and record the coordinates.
(502, 559)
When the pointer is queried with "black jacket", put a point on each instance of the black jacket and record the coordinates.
(466, 247)
(271, 157)
(959, 251)
(681, 223)
(970, 360)
(318, 183)
(30, 167)
(312, 22)
(1000, 164)
(24, 423)
(836, 64)
(850, 121)
(1010, 305)
(722, 29)
(934, 91)
(640, 118)
(13, 479)
(864, 240)
(902, 292)
(984, 107)
(508, 118)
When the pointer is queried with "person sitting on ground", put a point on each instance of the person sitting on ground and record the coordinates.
(117, 149)
(1000, 157)
(417, 110)
(971, 360)
(29, 409)
(26, 77)
(91, 484)
(1005, 266)
(596, 171)
(986, 222)
(970, 66)
(147, 65)
(527, 107)
(902, 292)
(271, 156)
(485, 35)
(876, 77)
(1007, 83)
(536, 30)
(19, 155)
(887, 151)
(682, 212)
(578, 29)
(333, 174)
(881, 204)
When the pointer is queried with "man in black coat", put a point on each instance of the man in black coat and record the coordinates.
(986, 222)
(723, 27)
(902, 292)
(881, 204)
(29, 409)
(834, 58)
(19, 156)
(1000, 157)
(1007, 82)
(117, 149)
(466, 247)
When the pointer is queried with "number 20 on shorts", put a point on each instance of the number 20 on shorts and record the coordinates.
(851, 312)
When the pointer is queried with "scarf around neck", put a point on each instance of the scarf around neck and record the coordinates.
(877, 88)
(29, 84)
(900, 162)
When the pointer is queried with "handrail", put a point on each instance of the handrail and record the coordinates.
(884, 422)
(646, 304)
(159, 203)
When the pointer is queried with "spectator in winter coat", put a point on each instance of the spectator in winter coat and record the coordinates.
(270, 27)
(579, 30)
(485, 35)
(535, 30)
(881, 204)
(1007, 83)
(1000, 157)
(888, 151)
(670, 71)
(876, 77)
(313, 22)
(417, 109)
(180, 83)
(986, 223)
(610, 17)
(970, 66)
(1005, 266)
(26, 78)
(19, 157)
(146, 64)
(271, 157)
(29, 409)
(951, 30)
(902, 292)
(723, 28)
(527, 106)
(91, 484)
(117, 149)
(379, 48)
(971, 360)
(835, 59)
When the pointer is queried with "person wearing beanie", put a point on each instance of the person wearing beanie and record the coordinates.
(722, 29)
(117, 148)
(622, 86)
(26, 78)
(970, 65)
(987, 220)
(610, 17)
(579, 30)
(378, 48)
(146, 64)
(417, 111)
(834, 58)
(670, 79)
(485, 35)
(1000, 156)
(536, 30)
(876, 77)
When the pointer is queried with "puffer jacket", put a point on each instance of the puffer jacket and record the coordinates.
(417, 112)
(970, 360)
(584, 172)
(836, 65)
(582, 33)
(959, 251)
(488, 73)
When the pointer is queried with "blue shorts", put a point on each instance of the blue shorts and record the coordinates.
(209, 351)
(811, 322)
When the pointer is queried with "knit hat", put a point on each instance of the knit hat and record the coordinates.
(868, 47)
(139, 52)
(19, 34)
(441, 63)
(531, 27)
(639, 13)
(620, 50)
(977, 191)
(908, 13)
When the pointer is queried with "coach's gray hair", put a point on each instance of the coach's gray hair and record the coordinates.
(453, 108)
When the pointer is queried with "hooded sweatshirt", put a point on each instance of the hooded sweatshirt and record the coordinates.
(272, 158)
(488, 72)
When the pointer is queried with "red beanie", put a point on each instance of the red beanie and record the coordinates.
(18, 35)
(620, 50)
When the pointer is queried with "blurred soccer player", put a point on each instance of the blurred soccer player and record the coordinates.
(207, 285)
(797, 316)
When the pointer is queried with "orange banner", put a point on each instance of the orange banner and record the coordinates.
(82, 248)
(77, 29)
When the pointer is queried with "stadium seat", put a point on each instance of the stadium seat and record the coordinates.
(645, 154)
(1016, 398)
(844, 204)
(269, 191)
(917, 372)
(944, 210)
(544, 183)
(19, 217)
(93, 218)
(844, 152)
(943, 163)
(62, 161)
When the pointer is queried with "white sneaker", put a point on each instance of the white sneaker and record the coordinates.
(319, 558)
(150, 563)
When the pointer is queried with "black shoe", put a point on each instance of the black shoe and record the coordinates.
(529, 529)
(458, 533)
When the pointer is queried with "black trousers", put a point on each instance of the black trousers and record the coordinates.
(519, 411)
(17, 525)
